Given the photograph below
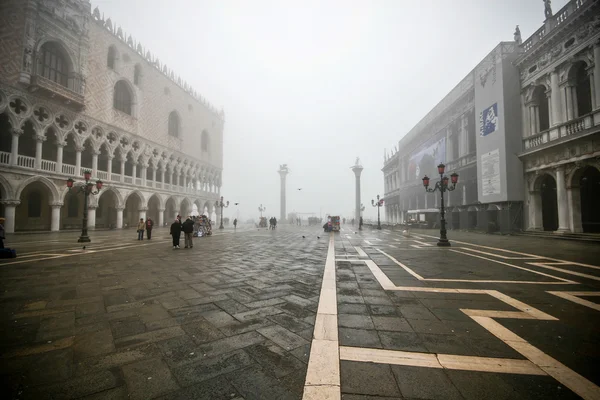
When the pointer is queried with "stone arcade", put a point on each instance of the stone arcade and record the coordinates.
(77, 93)
(522, 130)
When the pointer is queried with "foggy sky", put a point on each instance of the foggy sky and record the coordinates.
(314, 84)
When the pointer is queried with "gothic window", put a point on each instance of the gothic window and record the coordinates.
(111, 57)
(34, 204)
(173, 124)
(584, 90)
(122, 97)
(73, 209)
(137, 74)
(54, 64)
(204, 141)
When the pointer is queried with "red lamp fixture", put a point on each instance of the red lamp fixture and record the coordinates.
(70, 182)
(454, 178)
(99, 185)
(445, 181)
(441, 169)
(426, 181)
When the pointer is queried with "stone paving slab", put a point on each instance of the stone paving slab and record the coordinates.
(231, 318)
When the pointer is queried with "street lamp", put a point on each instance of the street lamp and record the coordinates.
(362, 208)
(378, 204)
(261, 209)
(87, 188)
(442, 186)
(219, 203)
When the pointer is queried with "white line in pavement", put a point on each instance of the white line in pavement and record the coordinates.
(361, 252)
(391, 245)
(422, 243)
(323, 373)
(573, 296)
(369, 243)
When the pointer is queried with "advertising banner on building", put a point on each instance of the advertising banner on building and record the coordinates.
(426, 160)
(488, 120)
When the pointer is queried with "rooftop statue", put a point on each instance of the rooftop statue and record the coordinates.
(547, 8)
(518, 35)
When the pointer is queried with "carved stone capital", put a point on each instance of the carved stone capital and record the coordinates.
(143, 209)
(60, 143)
(56, 204)
(79, 149)
(40, 138)
(17, 131)
(10, 203)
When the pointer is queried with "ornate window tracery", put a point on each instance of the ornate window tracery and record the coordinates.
(54, 65)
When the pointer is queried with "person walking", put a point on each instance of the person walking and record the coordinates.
(188, 232)
(149, 226)
(2, 232)
(140, 229)
(274, 222)
(235, 223)
(176, 233)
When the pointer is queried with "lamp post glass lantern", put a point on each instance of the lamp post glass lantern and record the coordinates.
(220, 204)
(377, 204)
(261, 209)
(87, 188)
(442, 186)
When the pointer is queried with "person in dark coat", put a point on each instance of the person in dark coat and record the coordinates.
(235, 223)
(188, 232)
(149, 226)
(176, 233)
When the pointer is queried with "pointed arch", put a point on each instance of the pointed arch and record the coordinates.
(7, 189)
(55, 196)
(143, 200)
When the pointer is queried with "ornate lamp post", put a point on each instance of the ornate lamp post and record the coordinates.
(261, 209)
(362, 208)
(219, 203)
(87, 188)
(442, 186)
(378, 204)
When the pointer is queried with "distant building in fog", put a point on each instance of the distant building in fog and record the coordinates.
(76, 93)
(522, 130)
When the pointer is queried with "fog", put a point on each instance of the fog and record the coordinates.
(315, 84)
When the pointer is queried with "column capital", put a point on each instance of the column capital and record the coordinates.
(161, 209)
(96, 153)
(57, 204)
(79, 149)
(10, 203)
(40, 138)
(92, 206)
(119, 208)
(17, 131)
(143, 209)
(60, 143)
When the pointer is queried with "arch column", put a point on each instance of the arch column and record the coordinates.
(109, 168)
(596, 76)
(574, 199)
(14, 148)
(569, 105)
(39, 141)
(59, 155)
(555, 104)
(122, 178)
(561, 198)
(95, 163)
(78, 150)
(119, 217)
(142, 212)
(10, 207)
(535, 211)
(534, 118)
(144, 171)
(134, 173)
(153, 176)
(171, 178)
(55, 218)
(161, 216)
(91, 220)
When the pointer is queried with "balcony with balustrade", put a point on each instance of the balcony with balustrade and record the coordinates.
(576, 128)
(71, 95)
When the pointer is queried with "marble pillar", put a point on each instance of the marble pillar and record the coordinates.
(555, 103)
(59, 156)
(161, 216)
(39, 142)
(283, 172)
(55, 221)
(119, 218)
(10, 207)
(91, 222)
(14, 148)
(561, 198)
(357, 169)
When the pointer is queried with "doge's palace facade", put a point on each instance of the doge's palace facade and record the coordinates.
(77, 94)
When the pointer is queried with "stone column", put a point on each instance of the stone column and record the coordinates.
(59, 155)
(14, 148)
(91, 222)
(171, 178)
(283, 172)
(39, 142)
(95, 164)
(144, 172)
(142, 212)
(574, 206)
(185, 182)
(561, 198)
(78, 150)
(161, 216)
(109, 168)
(569, 104)
(55, 221)
(555, 103)
(119, 218)
(122, 170)
(357, 169)
(535, 211)
(9, 213)
(153, 176)
(596, 75)
(525, 124)
(534, 119)
(134, 172)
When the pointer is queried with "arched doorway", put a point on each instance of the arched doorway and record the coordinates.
(153, 207)
(131, 213)
(106, 213)
(589, 185)
(186, 208)
(170, 210)
(34, 213)
(549, 203)
(72, 211)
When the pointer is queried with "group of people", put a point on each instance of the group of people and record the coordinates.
(187, 227)
(272, 223)
(145, 226)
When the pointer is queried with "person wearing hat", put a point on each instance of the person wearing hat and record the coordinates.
(2, 232)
